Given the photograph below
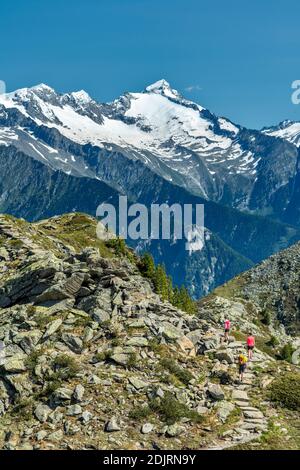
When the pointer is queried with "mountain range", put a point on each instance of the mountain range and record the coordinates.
(67, 152)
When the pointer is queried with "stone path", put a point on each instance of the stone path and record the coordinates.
(253, 421)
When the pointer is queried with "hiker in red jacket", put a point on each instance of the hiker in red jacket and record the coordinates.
(226, 330)
(250, 346)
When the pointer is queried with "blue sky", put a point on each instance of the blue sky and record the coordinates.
(234, 57)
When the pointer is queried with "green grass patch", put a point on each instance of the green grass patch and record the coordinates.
(231, 289)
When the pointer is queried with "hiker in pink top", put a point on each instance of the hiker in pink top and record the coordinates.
(226, 329)
(250, 345)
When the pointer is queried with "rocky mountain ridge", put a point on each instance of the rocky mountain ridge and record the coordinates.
(287, 130)
(269, 291)
(94, 359)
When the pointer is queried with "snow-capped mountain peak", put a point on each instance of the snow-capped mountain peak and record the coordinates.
(42, 87)
(287, 130)
(177, 138)
(42, 91)
(81, 97)
(164, 88)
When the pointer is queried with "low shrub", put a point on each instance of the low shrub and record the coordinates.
(49, 388)
(266, 317)
(115, 342)
(285, 390)
(32, 359)
(183, 375)
(287, 352)
(118, 245)
(140, 412)
(23, 408)
(65, 367)
(103, 356)
(31, 310)
(171, 410)
(273, 342)
(132, 361)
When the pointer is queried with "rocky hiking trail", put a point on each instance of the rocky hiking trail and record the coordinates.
(253, 421)
(96, 360)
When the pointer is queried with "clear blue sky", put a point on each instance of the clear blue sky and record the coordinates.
(236, 57)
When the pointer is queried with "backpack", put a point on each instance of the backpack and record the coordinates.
(242, 359)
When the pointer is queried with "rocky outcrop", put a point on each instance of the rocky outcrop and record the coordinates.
(267, 293)
(95, 359)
